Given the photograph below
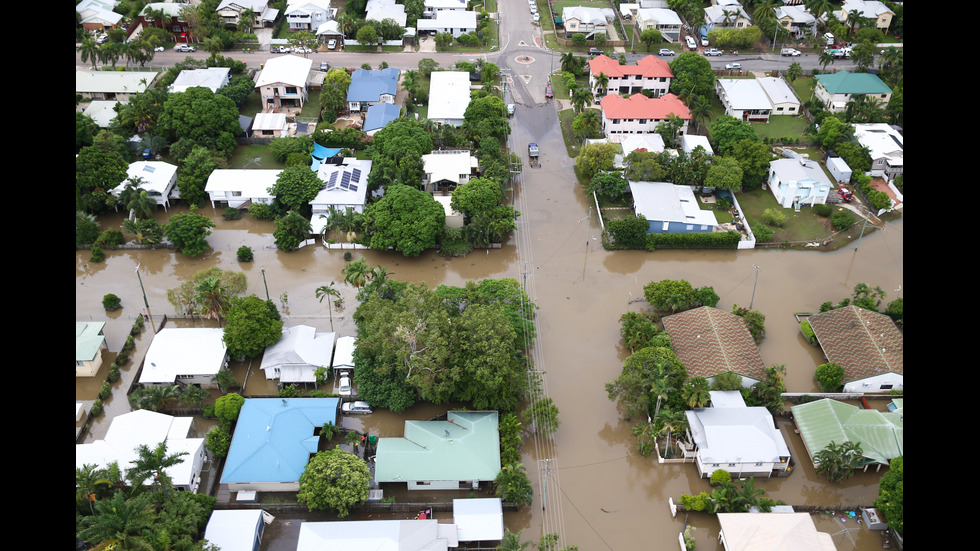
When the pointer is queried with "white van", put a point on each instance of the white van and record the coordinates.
(829, 38)
(691, 44)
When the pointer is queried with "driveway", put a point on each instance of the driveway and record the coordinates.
(427, 44)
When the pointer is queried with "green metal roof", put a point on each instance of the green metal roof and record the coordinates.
(881, 435)
(846, 82)
(464, 447)
(88, 339)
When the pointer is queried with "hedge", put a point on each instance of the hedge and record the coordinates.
(713, 240)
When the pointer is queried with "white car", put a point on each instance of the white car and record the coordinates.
(158, 49)
(344, 388)
(537, 17)
(792, 52)
(510, 109)
(712, 51)
(534, 8)
(331, 44)
(356, 407)
(302, 50)
(665, 51)
(731, 66)
(185, 48)
(704, 40)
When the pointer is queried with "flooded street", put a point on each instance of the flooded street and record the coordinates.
(610, 496)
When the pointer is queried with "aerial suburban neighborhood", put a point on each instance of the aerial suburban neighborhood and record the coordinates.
(421, 275)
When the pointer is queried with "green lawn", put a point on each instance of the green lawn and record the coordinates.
(800, 226)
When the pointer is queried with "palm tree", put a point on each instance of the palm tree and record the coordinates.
(153, 463)
(670, 422)
(601, 83)
(212, 298)
(356, 273)
(838, 461)
(581, 97)
(512, 541)
(569, 62)
(89, 51)
(88, 479)
(660, 387)
(119, 523)
(590, 122)
(697, 392)
(826, 58)
(700, 109)
(327, 291)
(747, 496)
(378, 277)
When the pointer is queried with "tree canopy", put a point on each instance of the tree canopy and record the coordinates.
(188, 231)
(202, 117)
(253, 324)
(407, 219)
(334, 480)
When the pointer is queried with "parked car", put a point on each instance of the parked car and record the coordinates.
(279, 50)
(548, 92)
(510, 109)
(158, 49)
(704, 40)
(789, 52)
(731, 66)
(356, 407)
(691, 44)
(344, 388)
(534, 8)
(537, 17)
(712, 51)
(102, 39)
(595, 51)
(665, 51)
(302, 50)
(332, 43)
(845, 194)
(185, 48)
(324, 66)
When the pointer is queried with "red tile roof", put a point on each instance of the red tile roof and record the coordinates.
(709, 341)
(863, 342)
(639, 106)
(649, 66)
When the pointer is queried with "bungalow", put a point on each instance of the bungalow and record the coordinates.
(436, 6)
(157, 178)
(880, 434)
(98, 15)
(330, 30)
(874, 10)
(771, 531)
(886, 146)
(273, 441)
(726, 14)
(101, 112)
(650, 143)
(454, 22)
(639, 114)
(232, 11)
(113, 85)
(457, 453)
(650, 73)
(799, 182)
(307, 15)
(754, 100)
(239, 187)
(379, 10)
(394, 535)
(866, 344)
(449, 96)
(709, 341)
(187, 356)
(379, 115)
(163, 15)
(368, 87)
(797, 20)
(282, 83)
(732, 437)
(345, 187)
(586, 20)
(89, 343)
(446, 169)
(270, 125)
(212, 78)
(129, 431)
(296, 356)
(670, 208)
(666, 21)
(690, 142)
(479, 519)
(836, 90)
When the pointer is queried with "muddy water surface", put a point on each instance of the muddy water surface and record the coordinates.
(611, 498)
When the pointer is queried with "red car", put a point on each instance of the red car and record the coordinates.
(845, 194)
(548, 93)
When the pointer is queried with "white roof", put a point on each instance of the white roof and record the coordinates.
(744, 93)
(252, 183)
(183, 351)
(653, 143)
(101, 111)
(660, 15)
(343, 355)
(584, 14)
(298, 353)
(449, 19)
(269, 121)
(882, 140)
(335, 192)
(287, 69)
(480, 519)
(736, 435)
(449, 95)
(236, 530)
(716, 14)
(211, 78)
(448, 164)
(117, 82)
(377, 535)
(157, 176)
(662, 201)
(799, 170)
(797, 14)
(778, 90)
(772, 532)
(690, 142)
(143, 428)
(446, 4)
(870, 9)
(379, 10)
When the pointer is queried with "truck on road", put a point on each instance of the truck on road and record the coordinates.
(532, 153)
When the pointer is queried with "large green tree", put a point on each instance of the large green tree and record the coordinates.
(891, 495)
(407, 219)
(693, 75)
(295, 187)
(633, 389)
(193, 176)
(334, 480)
(188, 232)
(253, 324)
(99, 168)
(202, 117)
(727, 131)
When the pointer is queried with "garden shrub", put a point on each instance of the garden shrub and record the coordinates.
(630, 233)
(218, 441)
(720, 476)
(763, 234)
(245, 254)
(808, 332)
(261, 211)
(704, 240)
(111, 302)
(110, 238)
(842, 219)
(822, 210)
(231, 213)
(98, 255)
(773, 217)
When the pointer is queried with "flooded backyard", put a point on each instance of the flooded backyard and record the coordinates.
(604, 494)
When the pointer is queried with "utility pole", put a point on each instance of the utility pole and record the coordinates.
(751, 302)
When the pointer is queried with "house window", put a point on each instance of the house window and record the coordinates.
(886, 387)
(643, 121)
(617, 121)
(290, 89)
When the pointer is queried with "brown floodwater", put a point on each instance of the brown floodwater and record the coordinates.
(600, 493)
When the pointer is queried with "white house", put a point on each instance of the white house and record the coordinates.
(212, 78)
(239, 187)
(664, 20)
(874, 10)
(797, 20)
(690, 142)
(726, 14)
(781, 95)
(651, 143)
(436, 6)
(157, 178)
(296, 356)
(382, 535)
(231, 11)
(798, 182)
(345, 187)
(270, 125)
(449, 96)
(101, 112)
(112, 85)
(307, 15)
(282, 83)
(368, 87)
(670, 208)
(445, 169)
(185, 355)
(379, 10)
(886, 146)
(142, 427)
(650, 73)
(237, 530)
(755, 99)
(98, 15)
(733, 437)
(454, 22)
(586, 20)
(89, 343)
(639, 114)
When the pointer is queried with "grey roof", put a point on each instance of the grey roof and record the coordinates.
(744, 93)
(299, 351)
(663, 201)
(798, 170)
(212, 78)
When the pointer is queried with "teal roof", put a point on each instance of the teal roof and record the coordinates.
(881, 435)
(464, 447)
(846, 82)
(88, 339)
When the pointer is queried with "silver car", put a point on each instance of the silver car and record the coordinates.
(344, 386)
(356, 407)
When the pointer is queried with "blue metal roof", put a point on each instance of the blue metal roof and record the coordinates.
(369, 85)
(380, 114)
(274, 438)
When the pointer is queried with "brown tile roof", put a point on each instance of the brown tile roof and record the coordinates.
(709, 341)
(863, 342)
(649, 66)
(639, 106)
